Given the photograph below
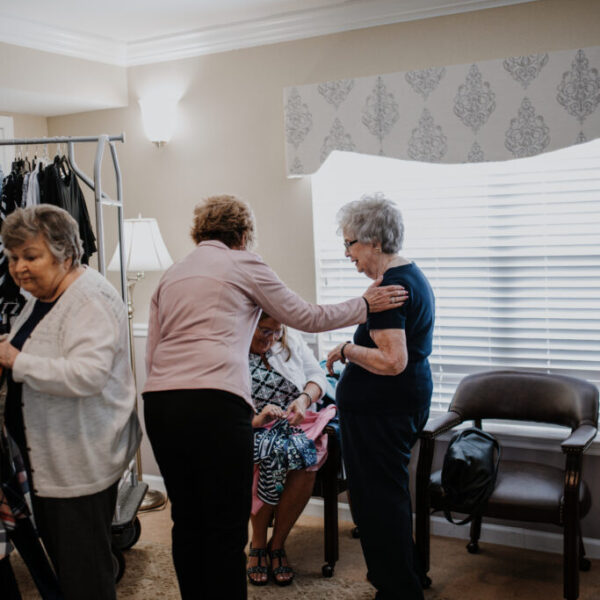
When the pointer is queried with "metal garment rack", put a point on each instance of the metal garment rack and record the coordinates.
(95, 184)
(126, 500)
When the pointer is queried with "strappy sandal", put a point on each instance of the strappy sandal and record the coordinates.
(258, 568)
(281, 569)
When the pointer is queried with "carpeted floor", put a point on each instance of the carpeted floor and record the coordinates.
(498, 573)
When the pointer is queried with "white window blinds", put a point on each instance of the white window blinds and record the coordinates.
(512, 250)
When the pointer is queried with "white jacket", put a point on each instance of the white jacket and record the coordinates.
(78, 391)
(302, 366)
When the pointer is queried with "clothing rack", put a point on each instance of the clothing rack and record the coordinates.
(129, 496)
(95, 184)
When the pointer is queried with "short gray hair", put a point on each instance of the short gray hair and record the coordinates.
(58, 228)
(373, 219)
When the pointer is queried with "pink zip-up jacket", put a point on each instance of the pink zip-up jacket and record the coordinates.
(204, 312)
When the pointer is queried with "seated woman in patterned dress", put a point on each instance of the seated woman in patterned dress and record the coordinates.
(289, 443)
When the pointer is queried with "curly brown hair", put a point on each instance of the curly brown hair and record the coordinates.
(224, 218)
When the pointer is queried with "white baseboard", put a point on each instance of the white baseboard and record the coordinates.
(516, 537)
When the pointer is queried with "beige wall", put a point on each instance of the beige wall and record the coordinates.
(67, 84)
(28, 126)
(231, 136)
(23, 126)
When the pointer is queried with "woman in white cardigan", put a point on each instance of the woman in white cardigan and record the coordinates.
(70, 406)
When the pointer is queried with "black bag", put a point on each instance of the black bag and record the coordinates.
(469, 472)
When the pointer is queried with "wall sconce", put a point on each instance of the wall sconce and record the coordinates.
(159, 116)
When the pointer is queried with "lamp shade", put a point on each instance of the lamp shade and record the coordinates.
(145, 249)
(159, 117)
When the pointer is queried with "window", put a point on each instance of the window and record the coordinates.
(512, 250)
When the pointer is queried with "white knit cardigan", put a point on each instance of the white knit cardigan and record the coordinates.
(78, 391)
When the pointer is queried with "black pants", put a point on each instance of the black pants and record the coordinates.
(202, 441)
(376, 450)
(77, 535)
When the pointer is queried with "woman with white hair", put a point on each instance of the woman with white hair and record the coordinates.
(383, 396)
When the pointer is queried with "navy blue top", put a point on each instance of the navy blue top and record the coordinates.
(13, 411)
(360, 391)
(40, 310)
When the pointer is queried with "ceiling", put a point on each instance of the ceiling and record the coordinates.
(128, 32)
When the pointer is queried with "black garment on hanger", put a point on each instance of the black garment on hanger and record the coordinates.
(61, 188)
(12, 191)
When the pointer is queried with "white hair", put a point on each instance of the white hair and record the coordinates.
(373, 219)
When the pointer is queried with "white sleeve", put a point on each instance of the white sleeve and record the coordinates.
(84, 368)
(311, 367)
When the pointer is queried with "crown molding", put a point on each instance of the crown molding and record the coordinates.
(23, 32)
(356, 14)
(287, 27)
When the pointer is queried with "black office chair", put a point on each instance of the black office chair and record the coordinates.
(524, 491)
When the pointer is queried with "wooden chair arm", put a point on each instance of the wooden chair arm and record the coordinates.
(441, 424)
(579, 440)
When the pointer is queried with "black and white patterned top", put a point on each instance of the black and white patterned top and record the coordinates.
(269, 386)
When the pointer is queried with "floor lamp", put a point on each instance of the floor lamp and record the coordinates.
(145, 251)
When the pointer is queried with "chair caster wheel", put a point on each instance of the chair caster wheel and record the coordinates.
(425, 582)
(473, 548)
(584, 564)
(355, 533)
(327, 571)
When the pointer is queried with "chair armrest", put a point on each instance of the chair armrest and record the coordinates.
(439, 425)
(580, 439)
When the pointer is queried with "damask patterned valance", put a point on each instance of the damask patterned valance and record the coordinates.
(492, 110)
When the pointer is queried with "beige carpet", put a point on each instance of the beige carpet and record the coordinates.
(498, 573)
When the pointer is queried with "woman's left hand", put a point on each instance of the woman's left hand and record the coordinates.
(296, 410)
(8, 353)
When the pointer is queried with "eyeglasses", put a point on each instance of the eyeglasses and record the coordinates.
(348, 244)
(276, 333)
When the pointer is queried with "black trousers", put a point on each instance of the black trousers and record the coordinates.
(77, 535)
(376, 450)
(202, 441)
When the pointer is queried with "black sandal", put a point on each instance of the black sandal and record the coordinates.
(281, 569)
(259, 568)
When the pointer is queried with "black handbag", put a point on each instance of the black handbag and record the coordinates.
(469, 473)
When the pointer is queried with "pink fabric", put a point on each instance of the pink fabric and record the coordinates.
(204, 312)
(313, 425)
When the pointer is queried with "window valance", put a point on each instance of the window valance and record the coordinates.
(485, 111)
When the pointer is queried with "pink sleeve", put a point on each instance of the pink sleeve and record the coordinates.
(153, 332)
(274, 297)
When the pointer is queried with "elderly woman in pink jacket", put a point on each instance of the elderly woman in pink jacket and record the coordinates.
(197, 402)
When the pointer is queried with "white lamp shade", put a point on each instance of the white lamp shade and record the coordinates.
(145, 249)
(159, 117)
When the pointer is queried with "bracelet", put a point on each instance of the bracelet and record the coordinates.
(367, 303)
(310, 400)
(342, 349)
